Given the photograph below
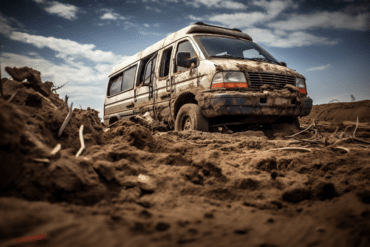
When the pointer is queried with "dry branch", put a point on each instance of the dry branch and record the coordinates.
(47, 100)
(354, 132)
(342, 134)
(301, 131)
(82, 141)
(292, 148)
(56, 149)
(12, 97)
(332, 135)
(41, 160)
(314, 121)
(341, 148)
(66, 100)
(360, 140)
(55, 89)
(66, 120)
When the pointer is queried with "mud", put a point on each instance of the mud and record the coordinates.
(133, 186)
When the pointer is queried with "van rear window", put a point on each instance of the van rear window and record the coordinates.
(115, 84)
(123, 81)
(129, 78)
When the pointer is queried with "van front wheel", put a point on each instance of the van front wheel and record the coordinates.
(190, 117)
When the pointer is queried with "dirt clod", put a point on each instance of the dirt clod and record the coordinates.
(296, 193)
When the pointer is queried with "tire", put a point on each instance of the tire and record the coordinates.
(190, 117)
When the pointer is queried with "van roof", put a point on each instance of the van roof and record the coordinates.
(198, 27)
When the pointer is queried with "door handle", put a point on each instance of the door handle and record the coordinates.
(130, 105)
(165, 96)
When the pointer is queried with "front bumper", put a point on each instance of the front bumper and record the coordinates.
(218, 104)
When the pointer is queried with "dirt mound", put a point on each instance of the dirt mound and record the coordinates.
(341, 112)
(135, 186)
(29, 126)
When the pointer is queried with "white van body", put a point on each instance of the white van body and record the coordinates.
(182, 74)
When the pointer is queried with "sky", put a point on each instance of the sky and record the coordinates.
(79, 42)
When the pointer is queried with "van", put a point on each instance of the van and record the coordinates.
(203, 77)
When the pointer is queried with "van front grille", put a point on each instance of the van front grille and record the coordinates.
(278, 81)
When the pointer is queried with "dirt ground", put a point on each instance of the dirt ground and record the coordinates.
(135, 187)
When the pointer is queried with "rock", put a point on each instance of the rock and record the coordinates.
(246, 184)
(105, 169)
(144, 182)
(324, 190)
(129, 195)
(296, 193)
(162, 226)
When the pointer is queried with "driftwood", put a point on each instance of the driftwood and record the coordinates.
(82, 141)
(66, 120)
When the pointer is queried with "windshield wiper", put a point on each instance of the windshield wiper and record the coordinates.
(228, 56)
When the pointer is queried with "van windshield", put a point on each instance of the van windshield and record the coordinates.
(225, 47)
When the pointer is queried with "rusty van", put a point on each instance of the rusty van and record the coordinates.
(202, 77)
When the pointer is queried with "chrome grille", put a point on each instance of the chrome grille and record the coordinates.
(278, 81)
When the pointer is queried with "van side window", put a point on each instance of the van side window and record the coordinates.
(185, 47)
(149, 72)
(129, 78)
(115, 84)
(165, 63)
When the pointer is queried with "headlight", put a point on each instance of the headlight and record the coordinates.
(229, 80)
(300, 83)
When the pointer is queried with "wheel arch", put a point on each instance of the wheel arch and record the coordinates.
(182, 99)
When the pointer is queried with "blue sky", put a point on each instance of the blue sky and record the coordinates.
(81, 41)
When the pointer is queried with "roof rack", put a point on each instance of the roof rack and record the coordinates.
(203, 24)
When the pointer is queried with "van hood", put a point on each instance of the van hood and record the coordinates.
(253, 66)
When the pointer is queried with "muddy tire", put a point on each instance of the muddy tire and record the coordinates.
(190, 117)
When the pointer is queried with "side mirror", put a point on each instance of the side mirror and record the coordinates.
(183, 59)
(283, 64)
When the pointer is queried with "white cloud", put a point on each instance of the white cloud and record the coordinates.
(111, 15)
(227, 4)
(275, 7)
(65, 47)
(282, 39)
(66, 11)
(272, 9)
(239, 20)
(146, 25)
(319, 68)
(337, 20)
(153, 9)
(162, 2)
(150, 33)
(194, 18)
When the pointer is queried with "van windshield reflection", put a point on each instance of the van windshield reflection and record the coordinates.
(224, 47)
